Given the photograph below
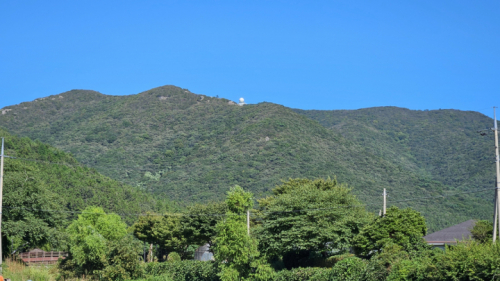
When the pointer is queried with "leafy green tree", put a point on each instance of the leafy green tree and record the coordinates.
(312, 215)
(398, 226)
(145, 230)
(32, 186)
(199, 223)
(122, 260)
(89, 238)
(164, 230)
(234, 249)
(26, 222)
(169, 233)
(482, 231)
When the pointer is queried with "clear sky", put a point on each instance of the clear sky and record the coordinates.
(302, 54)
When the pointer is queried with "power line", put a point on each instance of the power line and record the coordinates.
(44, 161)
(82, 165)
(443, 196)
(261, 212)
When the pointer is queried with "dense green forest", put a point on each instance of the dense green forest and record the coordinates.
(180, 146)
(45, 188)
(441, 144)
(306, 230)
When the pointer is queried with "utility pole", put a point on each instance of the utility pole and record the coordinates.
(248, 222)
(385, 202)
(1, 203)
(497, 189)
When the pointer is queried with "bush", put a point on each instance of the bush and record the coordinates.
(122, 261)
(184, 270)
(173, 257)
(470, 261)
(164, 277)
(416, 269)
(350, 268)
(303, 274)
(482, 231)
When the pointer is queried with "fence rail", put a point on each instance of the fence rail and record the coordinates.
(42, 257)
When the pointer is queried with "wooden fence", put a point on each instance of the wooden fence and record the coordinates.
(39, 257)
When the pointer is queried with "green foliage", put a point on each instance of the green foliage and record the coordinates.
(465, 261)
(348, 269)
(190, 147)
(238, 200)
(381, 262)
(303, 274)
(262, 271)
(173, 257)
(198, 225)
(470, 261)
(122, 260)
(164, 277)
(18, 271)
(235, 250)
(25, 223)
(184, 270)
(62, 186)
(198, 147)
(440, 149)
(398, 227)
(90, 236)
(309, 215)
(164, 230)
(145, 228)
(482, 231)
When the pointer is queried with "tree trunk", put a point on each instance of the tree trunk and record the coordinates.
(151, 252)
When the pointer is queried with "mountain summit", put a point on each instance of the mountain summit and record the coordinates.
(189, 147)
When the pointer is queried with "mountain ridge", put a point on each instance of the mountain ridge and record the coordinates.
(188, 147)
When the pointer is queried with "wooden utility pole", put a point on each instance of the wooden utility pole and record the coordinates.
(385, 203)
(248, 222)
(2, 156)
(497, 189)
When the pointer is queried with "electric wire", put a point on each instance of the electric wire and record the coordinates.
(258, 212)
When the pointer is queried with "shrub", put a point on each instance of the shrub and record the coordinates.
(482, 231)
(350, 268)
(470, 261)
(164, 277)
(122, 261)
(173, 257)
(303, 274)
(184, 270)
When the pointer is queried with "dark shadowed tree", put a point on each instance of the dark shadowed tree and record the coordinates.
(309, 215)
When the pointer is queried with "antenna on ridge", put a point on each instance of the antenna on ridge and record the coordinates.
(242, 102)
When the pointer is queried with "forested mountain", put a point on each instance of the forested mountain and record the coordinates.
(188, 147)
(443, 145)
(42, 181)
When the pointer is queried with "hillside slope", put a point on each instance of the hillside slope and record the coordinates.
(442, 144)
(189, 147)
(71, 185)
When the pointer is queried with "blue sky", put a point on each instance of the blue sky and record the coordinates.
(302, 54)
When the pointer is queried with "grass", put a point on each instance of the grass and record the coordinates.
(18, 271)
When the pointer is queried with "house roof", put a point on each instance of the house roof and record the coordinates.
(451, 234)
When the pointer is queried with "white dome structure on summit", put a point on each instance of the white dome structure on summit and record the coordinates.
(242, 102)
